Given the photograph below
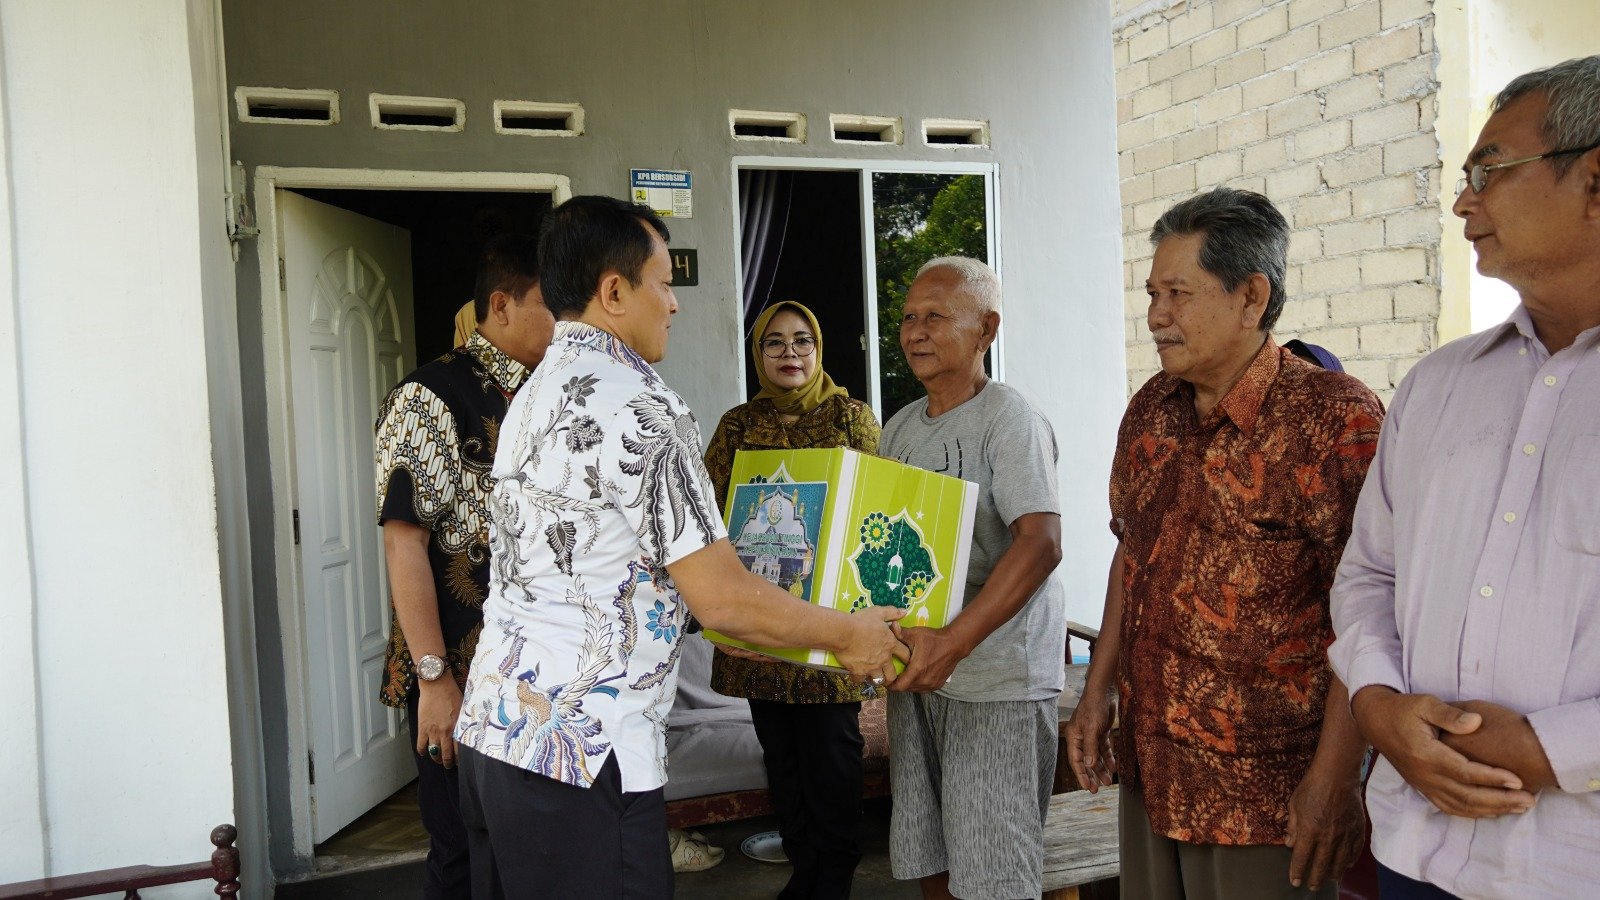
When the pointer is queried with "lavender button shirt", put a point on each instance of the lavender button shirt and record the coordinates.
(1474, 573)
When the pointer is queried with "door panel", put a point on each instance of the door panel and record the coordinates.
(348, 284)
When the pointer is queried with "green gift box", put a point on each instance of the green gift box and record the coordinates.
(847, 531)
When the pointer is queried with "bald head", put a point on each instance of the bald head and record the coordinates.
(969, 278)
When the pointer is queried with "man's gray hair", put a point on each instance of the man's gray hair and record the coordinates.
(973, 276)
(1572, 119)
(1243, 234)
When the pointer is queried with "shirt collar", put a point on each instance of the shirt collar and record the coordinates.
(1519, 322)
(1242, 403)
(585, 335)
(506, 371)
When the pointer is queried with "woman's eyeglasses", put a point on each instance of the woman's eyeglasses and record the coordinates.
(775, 348)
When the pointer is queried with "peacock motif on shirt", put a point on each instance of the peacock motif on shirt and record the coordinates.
(666, 458)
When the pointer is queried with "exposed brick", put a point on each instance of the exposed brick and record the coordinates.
(1413, 301)
(1388, 48)
(1166, 65)
(1146, 214)
(1294, 182)
(1152, 99)
(1303, 11)
(1393, 266)
(1352, 237)
(1174, 119)
(1119, 53)
(1292, 114)
(1400, 368)
(1131, 78)
(1386, 123)
(1249, 183)
(1283, 52)
(1219, 104)
(1152, 156)
(1344, 342)
(1125, 165)
(1347, 168)
(1407, 154)
(1215, 45)
(1361, 307)
(1148, 43)
(1132, 134)
(1195, 143)
(1321, 141)
(1304, 244)
(1266, 156)
(1217, 168)
(1394, 192)
(1352, 24)
(1240, 66)
(1190, 25)
(1409, 80)
(1271, 22)
(1323, 69)
(1412, 226)
(1138, 188)
(1340, 273)
(1352, 96)
(1268, 89)
(1241, 130)
(1193, 83)
(1374, 373)
(1393, 338)
(1299, 315)
(1397, 12)
(1318, 209)
(1229, 10)
(1178, 179)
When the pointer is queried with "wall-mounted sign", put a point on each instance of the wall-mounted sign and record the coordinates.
(685, 268)
(666, 191)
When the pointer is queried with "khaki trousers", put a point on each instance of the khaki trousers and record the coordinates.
(1155, 867)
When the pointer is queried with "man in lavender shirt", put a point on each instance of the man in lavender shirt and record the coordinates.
(1467, 604)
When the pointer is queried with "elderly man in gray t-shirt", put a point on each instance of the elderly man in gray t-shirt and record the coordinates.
(973, 718)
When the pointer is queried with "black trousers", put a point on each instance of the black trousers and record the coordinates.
(535, 837)
(438, 790)
(813, 758)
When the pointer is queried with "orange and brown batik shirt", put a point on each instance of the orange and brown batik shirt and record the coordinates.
(1232, 526)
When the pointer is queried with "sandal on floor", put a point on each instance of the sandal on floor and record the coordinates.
(691, 852)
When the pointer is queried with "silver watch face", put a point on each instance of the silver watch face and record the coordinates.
(430, 667)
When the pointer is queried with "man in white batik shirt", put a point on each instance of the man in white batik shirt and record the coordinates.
(605, 531)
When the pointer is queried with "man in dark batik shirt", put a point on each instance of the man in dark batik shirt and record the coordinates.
(435, 446)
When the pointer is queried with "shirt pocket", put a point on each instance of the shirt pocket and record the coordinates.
(1577, 511)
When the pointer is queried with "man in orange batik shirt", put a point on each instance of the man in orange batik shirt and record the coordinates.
(1232, 491)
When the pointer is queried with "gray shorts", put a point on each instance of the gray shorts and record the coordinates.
(971, 789)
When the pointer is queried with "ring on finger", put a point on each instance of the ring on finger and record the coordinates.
(433, 751)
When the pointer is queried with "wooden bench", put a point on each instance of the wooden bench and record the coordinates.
(1080, 843)
(222, 868)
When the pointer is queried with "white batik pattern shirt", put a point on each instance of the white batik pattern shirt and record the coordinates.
(599, 487)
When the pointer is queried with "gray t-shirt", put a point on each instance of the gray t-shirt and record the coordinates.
(998, 441)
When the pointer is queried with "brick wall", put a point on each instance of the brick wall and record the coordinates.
(1327, 108)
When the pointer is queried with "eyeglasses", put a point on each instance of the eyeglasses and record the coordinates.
(775, 348)
(1478, 175)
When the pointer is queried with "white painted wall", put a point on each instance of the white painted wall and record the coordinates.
(125, 741)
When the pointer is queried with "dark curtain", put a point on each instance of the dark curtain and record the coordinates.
(764, 196)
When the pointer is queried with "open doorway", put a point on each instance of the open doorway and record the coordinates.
(448, 230)
(362, 273)
(372, 281)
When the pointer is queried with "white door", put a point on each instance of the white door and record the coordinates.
(347, 280)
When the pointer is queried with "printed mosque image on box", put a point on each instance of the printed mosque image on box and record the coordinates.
(848, 531)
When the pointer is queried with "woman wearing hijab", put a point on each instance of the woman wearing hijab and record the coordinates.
(806, 719)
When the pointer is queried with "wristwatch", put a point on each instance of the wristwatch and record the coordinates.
(430, 668)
